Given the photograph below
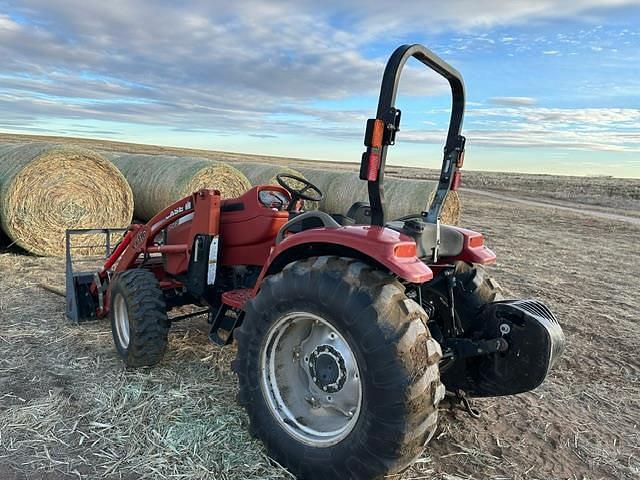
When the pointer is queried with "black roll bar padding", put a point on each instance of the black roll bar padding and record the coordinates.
(386, 112)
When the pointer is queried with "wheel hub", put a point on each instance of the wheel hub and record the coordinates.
(121, 320)
(311, 379)
(327, 368)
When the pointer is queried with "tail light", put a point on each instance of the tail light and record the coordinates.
(455, 182)
(476, 241)
(373, 164)
(371, 158)
(405, 250)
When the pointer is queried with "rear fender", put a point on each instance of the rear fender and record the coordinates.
(380, 246)
(473, 250)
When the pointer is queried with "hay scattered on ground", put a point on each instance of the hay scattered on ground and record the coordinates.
(159, 180)
(46, 189)
(69, 407)
(402, 196)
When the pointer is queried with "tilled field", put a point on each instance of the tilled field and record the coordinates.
(68, 408)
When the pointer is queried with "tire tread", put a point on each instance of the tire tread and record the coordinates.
(406, 370)
(149, 324)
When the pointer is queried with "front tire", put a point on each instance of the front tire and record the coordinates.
(347, 335)
(138, 315)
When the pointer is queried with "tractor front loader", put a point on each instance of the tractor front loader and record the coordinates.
(349, 329)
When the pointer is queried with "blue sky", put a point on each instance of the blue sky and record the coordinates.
(552, 86)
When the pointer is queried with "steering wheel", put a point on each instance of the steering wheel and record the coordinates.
(299, 193)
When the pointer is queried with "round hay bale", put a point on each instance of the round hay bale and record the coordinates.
(159, 180)
(46, 189)
(451, 209)
(402, 196)
(263, 173)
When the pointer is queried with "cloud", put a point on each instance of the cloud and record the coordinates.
(7, 24)
(260, 68)
(598, 129)
(584, 118)
(214, 67)
(512, 101)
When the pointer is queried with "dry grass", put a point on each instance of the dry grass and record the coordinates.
(608, 192)
(159, 180)
(582, 423)
(68, 407)
(46, 189)
(622, 195)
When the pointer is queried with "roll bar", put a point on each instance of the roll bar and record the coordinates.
(381, 131)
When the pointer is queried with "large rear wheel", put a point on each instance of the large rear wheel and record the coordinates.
(337, 370)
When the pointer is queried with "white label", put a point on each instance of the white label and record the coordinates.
(184, 219)
(213, 261)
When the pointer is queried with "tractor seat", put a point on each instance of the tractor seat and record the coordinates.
(305, 221)
(451, 240)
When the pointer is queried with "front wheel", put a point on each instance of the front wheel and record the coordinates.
(337, 370)
(139, 320)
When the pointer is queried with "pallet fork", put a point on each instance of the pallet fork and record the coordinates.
(80, 301)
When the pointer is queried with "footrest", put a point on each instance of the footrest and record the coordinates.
(229, 315)
(237, 298)
(223, 323)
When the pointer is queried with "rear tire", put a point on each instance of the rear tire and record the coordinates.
(139, 321)
(394, 354)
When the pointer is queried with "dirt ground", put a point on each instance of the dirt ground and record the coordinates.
(68, 408)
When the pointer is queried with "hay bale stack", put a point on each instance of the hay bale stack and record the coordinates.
(263, 173)
(402, 196)
(159, 180)
(46, 189)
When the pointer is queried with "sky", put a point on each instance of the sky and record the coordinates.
(552, 86)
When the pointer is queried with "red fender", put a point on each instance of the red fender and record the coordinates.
(393, 250)
(474, 250)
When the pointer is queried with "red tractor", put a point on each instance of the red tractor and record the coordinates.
(349, 329)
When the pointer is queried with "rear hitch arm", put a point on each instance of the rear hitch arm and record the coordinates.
(467, 348)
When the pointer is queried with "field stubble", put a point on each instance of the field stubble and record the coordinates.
(68, 408)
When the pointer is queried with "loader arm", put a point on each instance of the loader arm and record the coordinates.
(202, 206)
(163, 245)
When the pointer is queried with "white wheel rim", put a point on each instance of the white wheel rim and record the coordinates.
(121, 316)
(310, 379)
